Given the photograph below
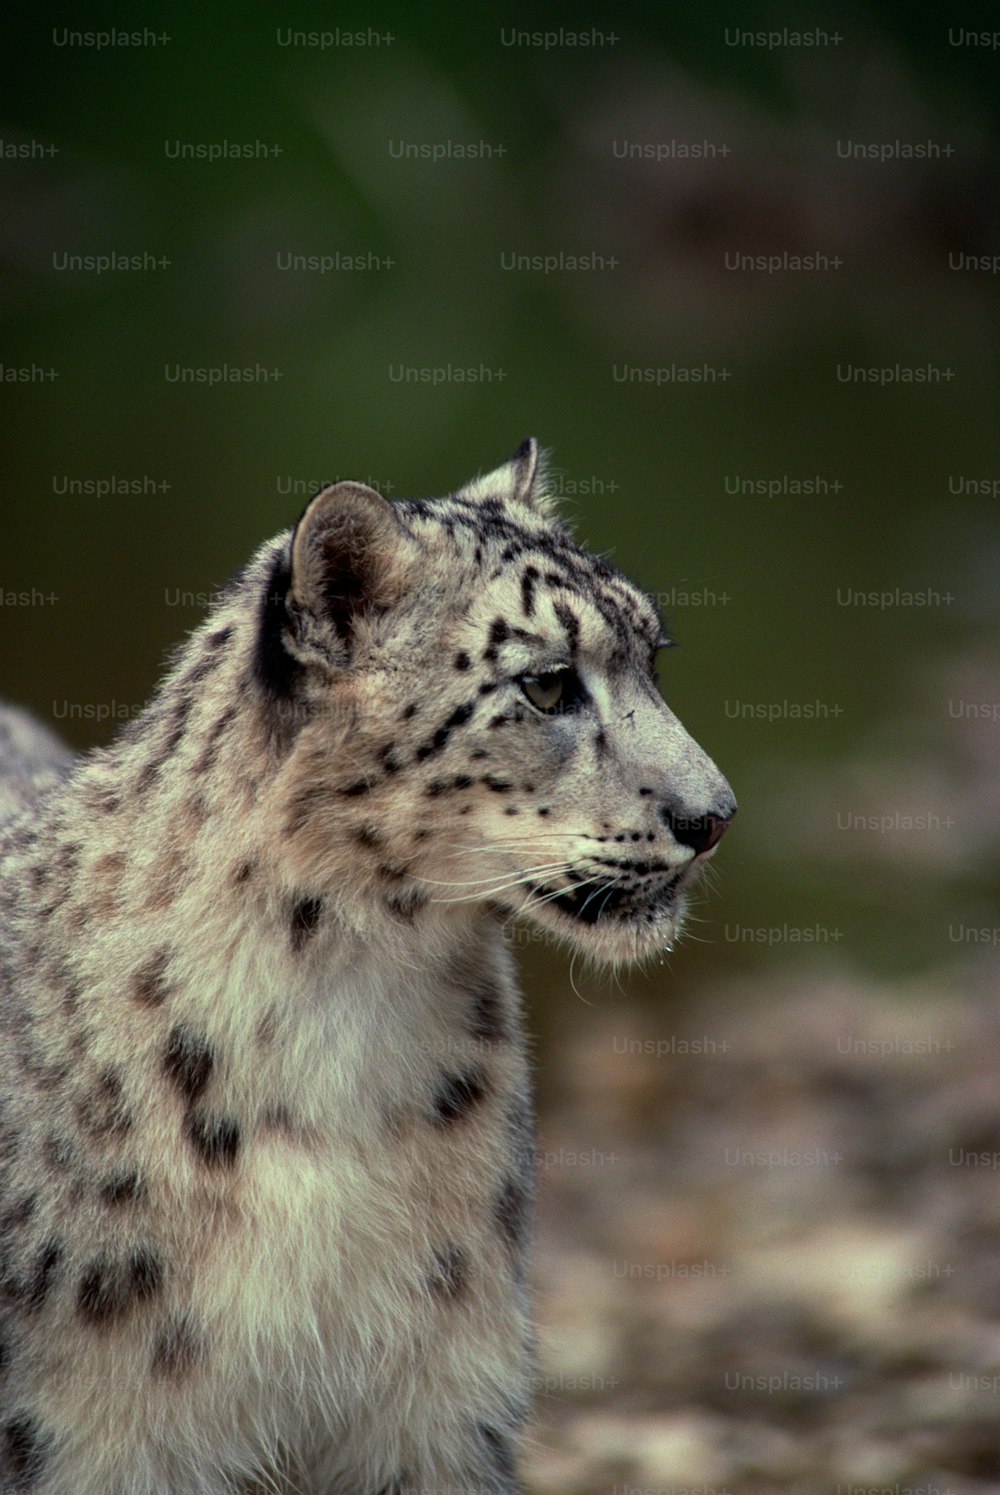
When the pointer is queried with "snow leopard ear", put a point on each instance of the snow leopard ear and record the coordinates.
(347, 555)
(519, 481)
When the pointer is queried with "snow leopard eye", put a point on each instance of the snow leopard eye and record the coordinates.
(555, 690)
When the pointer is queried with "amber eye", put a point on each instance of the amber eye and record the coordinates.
(551, 691)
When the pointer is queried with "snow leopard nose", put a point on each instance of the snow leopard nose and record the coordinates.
(700, 832)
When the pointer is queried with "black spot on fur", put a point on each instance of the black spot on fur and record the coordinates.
(304, 921)
(499, 786)
(124, 1186)
(18, 1214)
(498, 1449)
(67, 859)
(277, 1117)
(457, 1095)
(458, 718)
(177, 1349)
(487, 1019)
(361, 786)
(445, 786)
(145, 1272)
(411, 710)
(512, 1213)
(499, 633)
(104, 1113)
(58, 1152)
(200, 670)
(25, 1451)
(449, 1273)
(149, 986)
(219, 637)
(307, 803)
(368, 835)
(188, 1061)
(209, 753)
(109, 1289)
(460, 715)
(462, 660)
(37, 1288)
(244, 872)
(274, 669)
(407, 905)
(168, 746)
(216, 1139)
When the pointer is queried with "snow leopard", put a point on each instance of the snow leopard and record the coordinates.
(266, 1139)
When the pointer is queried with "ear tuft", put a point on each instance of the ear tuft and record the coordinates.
(519, 481)
(346, 555)
(524, 468)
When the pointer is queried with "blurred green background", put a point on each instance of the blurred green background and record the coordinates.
(648, 469)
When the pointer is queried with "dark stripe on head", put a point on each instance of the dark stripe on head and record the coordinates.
(570, 623)
(528, 578)
(498, 634)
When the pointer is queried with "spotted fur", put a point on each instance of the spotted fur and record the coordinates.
(266, 1153)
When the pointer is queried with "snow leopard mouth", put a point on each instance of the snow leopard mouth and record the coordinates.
(612, 903)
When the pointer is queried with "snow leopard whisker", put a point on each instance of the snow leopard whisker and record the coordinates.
(549, 897)
(516, 882)
(473, 882)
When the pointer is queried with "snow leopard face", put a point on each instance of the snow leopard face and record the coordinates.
(475, 706)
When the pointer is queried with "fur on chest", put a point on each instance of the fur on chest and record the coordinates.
(324, 1172)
